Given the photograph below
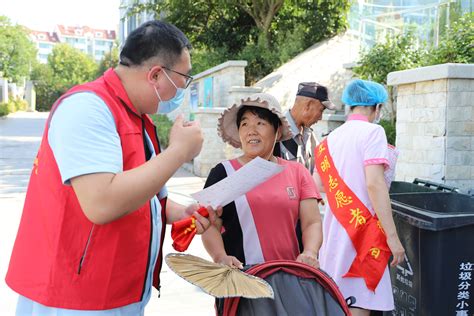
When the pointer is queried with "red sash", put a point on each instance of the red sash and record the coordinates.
(363, 228)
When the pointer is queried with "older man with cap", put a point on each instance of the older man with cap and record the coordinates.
(311, 100)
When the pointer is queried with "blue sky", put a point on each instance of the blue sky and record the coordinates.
(44, 14)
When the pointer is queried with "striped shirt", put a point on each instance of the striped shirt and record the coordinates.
(300, 148)
(260, 225)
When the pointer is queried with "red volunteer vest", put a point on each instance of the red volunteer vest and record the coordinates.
(60, 258)
(364, 229)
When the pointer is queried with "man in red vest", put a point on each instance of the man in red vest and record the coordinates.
(91, 234)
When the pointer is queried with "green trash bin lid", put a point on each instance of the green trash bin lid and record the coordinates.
(434, 210)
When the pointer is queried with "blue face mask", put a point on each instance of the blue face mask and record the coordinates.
(165, 107)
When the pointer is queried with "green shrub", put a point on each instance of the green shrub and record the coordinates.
(456, 45)
(396, 53)
(13, 105)
(401, 52)
(390, 130)
(290, 43)
(66, 68)
(204, 59)
(163, 127)
(47, 93)
(261, 61)
(18, 104)
(4, 109)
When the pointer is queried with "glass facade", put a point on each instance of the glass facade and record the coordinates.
(427, 19)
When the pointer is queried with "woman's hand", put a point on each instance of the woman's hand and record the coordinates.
(309, 258)
(230, 261)
(397, 250)
(202, 223)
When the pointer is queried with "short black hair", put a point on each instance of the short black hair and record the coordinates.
(154, 39)
(262, 113)
(373, 107)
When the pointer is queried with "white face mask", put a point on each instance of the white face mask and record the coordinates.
(165, 107)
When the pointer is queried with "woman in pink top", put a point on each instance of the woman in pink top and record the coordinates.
(260, 225)
(360, 155)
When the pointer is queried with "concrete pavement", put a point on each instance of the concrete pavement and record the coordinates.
(20, 137)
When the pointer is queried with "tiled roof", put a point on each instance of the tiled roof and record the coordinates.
(81, 31)
(41, 36)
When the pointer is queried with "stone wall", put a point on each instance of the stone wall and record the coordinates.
(214, 150)
(223, 76)
(327, 124)
(228, 80)
(435, 128)
(327, 62)
(228, 87)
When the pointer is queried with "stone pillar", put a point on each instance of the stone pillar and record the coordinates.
(327, 124)
(220, 79)
(4, 90)
(30, 96)
(236, 93)
(214, 150)
(435, 124)
(224, 85)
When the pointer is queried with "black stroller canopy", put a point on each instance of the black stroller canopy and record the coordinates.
(299, 290)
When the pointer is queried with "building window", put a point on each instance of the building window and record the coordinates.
(45, 45)
(78, 32)
(99, 34)
(132, 23)
(41, 36)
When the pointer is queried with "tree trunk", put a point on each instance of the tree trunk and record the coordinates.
(262, 12)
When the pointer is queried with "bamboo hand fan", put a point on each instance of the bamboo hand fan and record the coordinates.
(216, 279)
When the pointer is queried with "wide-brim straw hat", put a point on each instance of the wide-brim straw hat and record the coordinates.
(227, 123)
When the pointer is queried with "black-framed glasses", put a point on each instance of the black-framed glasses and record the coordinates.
(189, 78)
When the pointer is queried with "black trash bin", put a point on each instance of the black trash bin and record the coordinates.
(437, 231)
(419, 185)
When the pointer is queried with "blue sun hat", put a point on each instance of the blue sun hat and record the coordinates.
(364, 93)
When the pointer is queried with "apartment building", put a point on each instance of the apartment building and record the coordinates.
(45, 42)
(94, 42)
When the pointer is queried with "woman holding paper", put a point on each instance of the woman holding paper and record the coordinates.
(260, 225)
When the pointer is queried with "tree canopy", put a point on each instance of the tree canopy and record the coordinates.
(110, 60)
(17, 52)
(266, 33)
(66, 67)
(70, 66)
